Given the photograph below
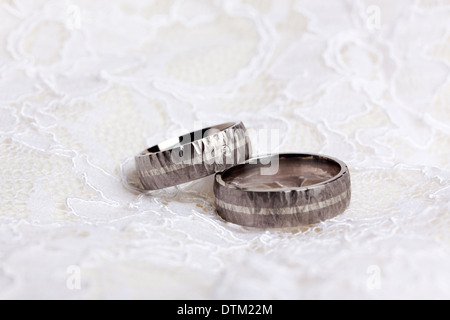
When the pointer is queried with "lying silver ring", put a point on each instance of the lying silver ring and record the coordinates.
(283, 190)
(193, 156)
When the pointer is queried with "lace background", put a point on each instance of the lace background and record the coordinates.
(86, 85)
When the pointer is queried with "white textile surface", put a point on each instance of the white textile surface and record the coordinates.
(86, 85)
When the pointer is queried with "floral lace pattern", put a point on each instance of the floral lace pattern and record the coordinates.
(84, 86)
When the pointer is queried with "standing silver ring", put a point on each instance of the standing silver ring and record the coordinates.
(283, 190)
(193, 156)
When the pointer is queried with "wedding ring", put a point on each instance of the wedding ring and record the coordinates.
(283, 190)
(193, 156)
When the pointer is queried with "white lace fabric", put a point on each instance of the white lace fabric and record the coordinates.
(86, 85)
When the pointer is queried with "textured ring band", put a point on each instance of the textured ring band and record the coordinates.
(304, 189)
(193, 156)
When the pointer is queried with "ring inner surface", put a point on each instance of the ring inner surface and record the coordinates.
(293, 172)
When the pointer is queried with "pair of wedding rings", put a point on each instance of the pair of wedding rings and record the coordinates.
(280, 190)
